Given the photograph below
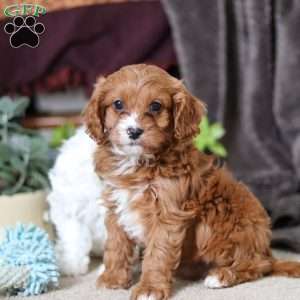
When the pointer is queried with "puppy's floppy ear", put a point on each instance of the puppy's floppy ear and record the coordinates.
(94, 112)
(188, 112)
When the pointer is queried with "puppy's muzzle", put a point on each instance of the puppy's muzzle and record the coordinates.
(134, 133)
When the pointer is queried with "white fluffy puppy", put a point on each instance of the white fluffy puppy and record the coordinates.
(78, 218)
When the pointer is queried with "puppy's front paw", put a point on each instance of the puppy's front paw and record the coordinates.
(213, 282)
(145, 292)
(73, 266)
(119, 279)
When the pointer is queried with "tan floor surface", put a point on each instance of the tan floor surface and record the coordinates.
(269, 288)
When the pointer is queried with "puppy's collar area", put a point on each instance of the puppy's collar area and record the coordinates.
(147, 161)
(142, 160)
(118, 151)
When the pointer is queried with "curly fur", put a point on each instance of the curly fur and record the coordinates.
(189, 214)
(78, 219)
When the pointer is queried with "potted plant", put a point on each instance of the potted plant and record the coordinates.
(24, 165)
(208, 139)
(61, 134)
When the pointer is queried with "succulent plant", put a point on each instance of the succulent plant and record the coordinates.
(208, 139)
(24, 161)
(61, 134)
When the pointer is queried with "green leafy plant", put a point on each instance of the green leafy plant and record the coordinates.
(208, 139)
(62, 133)
(24, 161)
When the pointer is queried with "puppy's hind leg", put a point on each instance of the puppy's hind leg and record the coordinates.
(73, 247)
(238, 272)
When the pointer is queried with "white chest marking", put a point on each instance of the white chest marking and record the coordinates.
(126, 165)
(129, 162)
(128, 219)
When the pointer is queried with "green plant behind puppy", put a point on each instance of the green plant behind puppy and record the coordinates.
(24, 161)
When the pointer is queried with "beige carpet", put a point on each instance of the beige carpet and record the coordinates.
(271, 288)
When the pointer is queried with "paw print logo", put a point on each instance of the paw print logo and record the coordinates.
(24, 31)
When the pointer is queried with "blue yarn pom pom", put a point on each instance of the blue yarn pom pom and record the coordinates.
(29, 246)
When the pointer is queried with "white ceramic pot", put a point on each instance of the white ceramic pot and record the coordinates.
(27, 208)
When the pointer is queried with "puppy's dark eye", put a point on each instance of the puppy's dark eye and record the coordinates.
(155, 106)
(118, 105)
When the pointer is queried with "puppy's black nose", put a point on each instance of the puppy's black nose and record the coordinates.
(134, 133)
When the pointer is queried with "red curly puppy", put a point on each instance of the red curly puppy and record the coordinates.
(165, 195)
